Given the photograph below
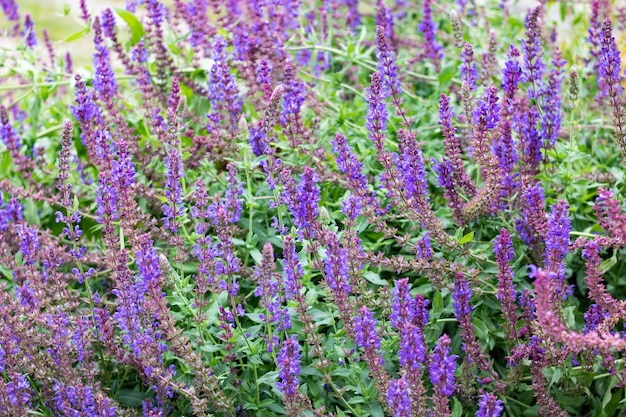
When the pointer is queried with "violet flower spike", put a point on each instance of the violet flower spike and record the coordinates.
(410, 165)
(423, 247)
(503, 249)
(469, 70)
(289, 366)
(366, 333)
(551, 92)
(609, 80)
(462, 295)
(441, 371)
(398, 397)
(557, 243)
(534, 67)
(294, 94)
(489, 406)
(403, 305)
(594, 316)
(84, 11)
(304, 204)
(376, 117)
(531, 226)
(336, 268)
(427, 28)
(387, 67)
(292, 269)
(511, 75)
(223, 91)
(453, 148)
(10, 9)
(173, 190)
(350, 165)
(30, 38)
(505, 149)
(530, 141)
(104, 82)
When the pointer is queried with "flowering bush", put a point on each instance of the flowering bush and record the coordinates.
(314, 208)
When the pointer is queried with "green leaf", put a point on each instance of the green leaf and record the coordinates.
(136, 28)
(31, 213)
(256, 255)
(130, 398)
(607, 264)
(269, 378)
(77, 35)
(608, 395)
(446, 74)
(437, 305)
(35, 109)
(556, 377)
(467, 238)
(457, 408)
(375, 278)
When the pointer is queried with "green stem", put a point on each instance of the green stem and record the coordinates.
(367, 63)
(79, 264)
(250, 202)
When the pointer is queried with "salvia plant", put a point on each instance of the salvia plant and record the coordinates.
(313, 208)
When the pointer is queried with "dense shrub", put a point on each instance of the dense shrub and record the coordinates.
(329, 208)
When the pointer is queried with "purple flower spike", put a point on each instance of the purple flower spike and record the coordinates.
(377, 114)
(108, 23)
(403, 306)
(489, 406)
(609, 80)
(461, 295)
(303, 202)
(503, 249)
(557, 242)
(505, 150)
(387, 62)
(289, 364)
(84, 11)
(336, 263)
(427, 27)
(294, 95)
(530, 140)
(609, 62)
(29, 243)
(469, 70)
(410, 163)
(423, 248)
(398, 398)
(104, 81)
(487, 113)
(173, 208)
(223, 90)
(10, 9)
(367, 336)
(349, 164)
(10, 212)
(531, 226)
(30, 38)
(511, 75)
(594, 316)
(551, 120)
(140, 53)
(534, 67)
(442, 367)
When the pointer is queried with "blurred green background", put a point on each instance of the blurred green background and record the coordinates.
(61, 19)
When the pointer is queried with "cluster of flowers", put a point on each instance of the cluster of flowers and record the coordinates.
(177, 241)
